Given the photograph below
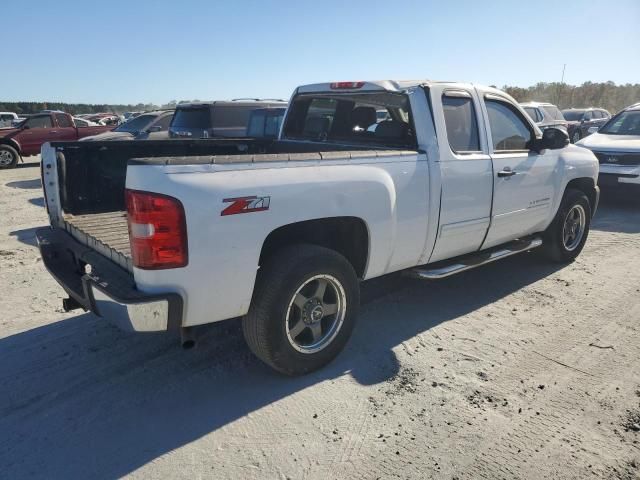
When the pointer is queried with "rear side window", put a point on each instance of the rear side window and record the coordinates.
(231, 116)
(63, 121)
(43, 121)
(509, 131)
(192, 118)
(352, 118)
(553, 111)
(597, 114)
(462, 125)
(264, 123)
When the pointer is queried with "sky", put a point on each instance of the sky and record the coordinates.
(115, 51)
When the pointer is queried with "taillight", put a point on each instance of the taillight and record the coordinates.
(346, 85)
(157, 230)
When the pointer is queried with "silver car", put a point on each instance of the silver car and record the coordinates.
(545, 115)
(147, 126)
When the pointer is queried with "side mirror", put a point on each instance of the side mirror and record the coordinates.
(26, 127)
(552, 139)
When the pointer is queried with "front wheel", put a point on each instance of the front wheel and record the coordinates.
(303, 310)
(8, 157)
(565, 238)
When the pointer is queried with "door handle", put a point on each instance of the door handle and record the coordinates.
(506, 172)
(52, 132)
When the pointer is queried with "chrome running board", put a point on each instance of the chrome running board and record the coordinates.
(446, 268)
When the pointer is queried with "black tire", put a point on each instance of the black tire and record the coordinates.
(7, 151)
(575, 137)
(265, 325)
(554, 245)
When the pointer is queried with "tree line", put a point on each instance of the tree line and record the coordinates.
(606, 95)
(26, 108)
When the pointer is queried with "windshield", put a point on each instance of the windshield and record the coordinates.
(625, 123)
(352, 118)
(192, 118)
(573, 115)
(136, 125)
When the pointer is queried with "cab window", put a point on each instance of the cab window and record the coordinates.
(509, 130)
(42, 121)
(63, 120)
(461, 122)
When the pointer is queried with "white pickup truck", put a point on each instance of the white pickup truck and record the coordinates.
(367, 178)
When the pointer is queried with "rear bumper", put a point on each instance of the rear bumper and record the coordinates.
(108, 291)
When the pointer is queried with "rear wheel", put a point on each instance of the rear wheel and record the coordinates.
(8, 156)
(567, 234)
(303, 310)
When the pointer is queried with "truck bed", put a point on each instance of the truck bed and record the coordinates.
(107, 233)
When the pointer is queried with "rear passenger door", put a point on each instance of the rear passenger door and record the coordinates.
(524, 180)
(465, 171)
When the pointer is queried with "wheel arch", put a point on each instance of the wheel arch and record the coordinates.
(349, 236)
(12, 143)
(587, 186)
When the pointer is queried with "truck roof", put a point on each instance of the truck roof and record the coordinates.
(240, 101)
(384, 85)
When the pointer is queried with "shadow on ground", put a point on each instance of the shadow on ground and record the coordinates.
(37, 201)
(34, 184)
(81, 399)
(26, 235)
(29, 164)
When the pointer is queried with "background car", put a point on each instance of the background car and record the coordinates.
(7, 119)
(148, 126)
(617, 146)
(580, 120)
(545, 115)
(82, 122)
(216, 119)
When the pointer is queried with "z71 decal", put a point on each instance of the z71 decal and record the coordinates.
(245, 205)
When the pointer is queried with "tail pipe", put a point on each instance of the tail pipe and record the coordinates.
(187, 338)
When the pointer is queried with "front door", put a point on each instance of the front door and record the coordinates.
(36, 131)
(524, 180)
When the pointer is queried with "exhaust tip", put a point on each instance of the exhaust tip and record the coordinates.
(187, 338)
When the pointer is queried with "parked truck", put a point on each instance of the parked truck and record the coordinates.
(366, 178)
(27, 137)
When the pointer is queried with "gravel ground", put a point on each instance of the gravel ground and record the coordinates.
(519, 369)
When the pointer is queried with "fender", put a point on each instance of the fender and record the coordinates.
(14, 143)
(575, 162)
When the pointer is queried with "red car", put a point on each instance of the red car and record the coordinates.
(26, 138)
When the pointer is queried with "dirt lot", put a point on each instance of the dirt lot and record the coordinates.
(520, 369)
